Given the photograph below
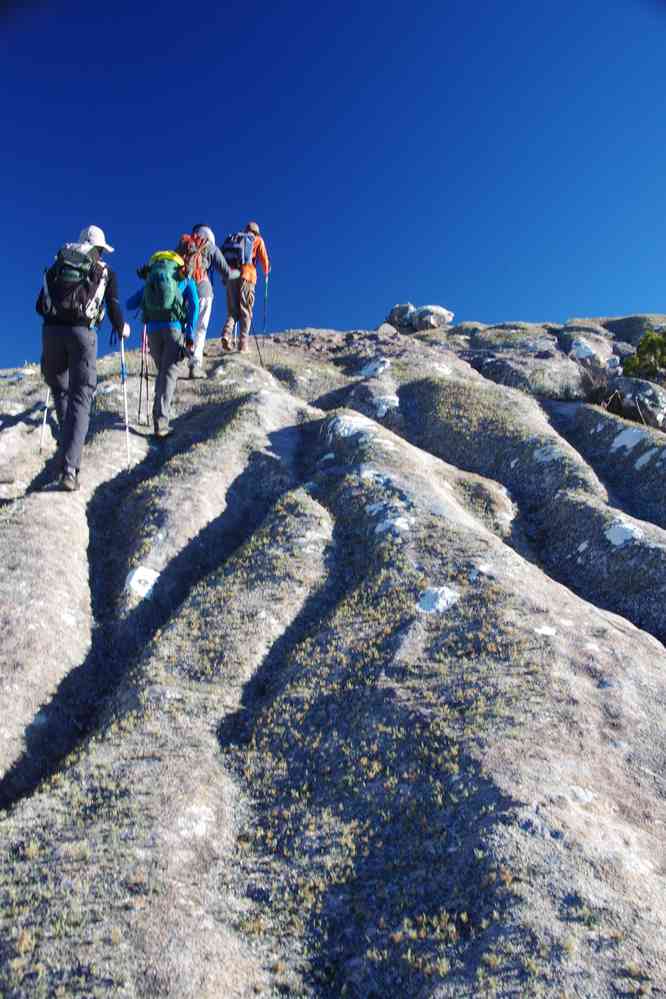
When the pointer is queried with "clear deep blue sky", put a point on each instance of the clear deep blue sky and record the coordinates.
(506, 160)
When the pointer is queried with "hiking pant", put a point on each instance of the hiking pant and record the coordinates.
(69, 366)
(240, 303)
(205, 309)
(166, 350)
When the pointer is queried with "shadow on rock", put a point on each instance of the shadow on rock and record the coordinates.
(61, 725)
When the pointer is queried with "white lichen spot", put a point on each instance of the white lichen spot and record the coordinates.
(582, 794)
(348, 426)
(327, 457)
(513, 463)
(437, 599)
(375, 367)
(629, 438)
(549, 452)
(591, 647)
(197, 821)
(398, 524)
(566, 622)
(644, 458)
(386, 402)
(620, 533)
(546, 631)
(141, 581)
(582, 546)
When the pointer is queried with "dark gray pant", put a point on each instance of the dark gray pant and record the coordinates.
(165, 348)
(69, 364)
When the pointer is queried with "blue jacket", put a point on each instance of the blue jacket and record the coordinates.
(188, 289)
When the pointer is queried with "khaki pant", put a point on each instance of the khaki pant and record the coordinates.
(240, 304)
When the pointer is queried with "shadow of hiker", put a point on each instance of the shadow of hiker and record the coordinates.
(32, 416)
(62, 724)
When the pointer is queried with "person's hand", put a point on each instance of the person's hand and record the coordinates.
(233, 275)
(189, 343)
(125, 331)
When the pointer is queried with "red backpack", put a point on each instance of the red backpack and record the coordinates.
(196, 252)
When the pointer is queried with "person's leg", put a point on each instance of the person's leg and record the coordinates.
(233, 306)
(205, 308)
(156, 346)
(171, 359)
(56, 372)
(246, 307)
(82, 355)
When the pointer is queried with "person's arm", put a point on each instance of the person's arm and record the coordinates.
(112, 302)
(262, 255)
(222, 267)
(134, 302)
(191, 299)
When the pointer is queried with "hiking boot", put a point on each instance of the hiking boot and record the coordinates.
(242, 345)
(69, 481)
(224, 343)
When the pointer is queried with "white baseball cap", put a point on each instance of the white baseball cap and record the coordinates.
(95, 237)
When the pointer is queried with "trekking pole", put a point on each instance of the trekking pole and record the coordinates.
(138, 415)
(46, 411)
(144, 343)
(123, 376)
(256, 340)
(266, 304)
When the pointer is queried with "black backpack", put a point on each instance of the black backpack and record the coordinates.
(73, 288)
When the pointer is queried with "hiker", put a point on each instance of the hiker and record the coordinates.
(241, 250)
(170, 305)
(75, 291)
(202, 259)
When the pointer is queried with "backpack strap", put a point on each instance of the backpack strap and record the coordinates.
(94, 310)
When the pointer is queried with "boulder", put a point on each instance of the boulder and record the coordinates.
(400, 315)
(623, 349)
(632, 328)
(640, 400)
(431, 317)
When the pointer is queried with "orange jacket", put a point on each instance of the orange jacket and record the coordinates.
(249, 271)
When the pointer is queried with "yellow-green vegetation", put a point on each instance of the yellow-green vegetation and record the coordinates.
(649, 361)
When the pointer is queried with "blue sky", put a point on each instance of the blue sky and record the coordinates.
(504, 160)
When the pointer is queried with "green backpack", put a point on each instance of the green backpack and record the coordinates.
(162, 299)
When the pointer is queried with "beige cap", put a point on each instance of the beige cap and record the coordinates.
(252, 227)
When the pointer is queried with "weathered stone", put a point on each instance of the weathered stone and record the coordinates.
(430, 317)
(641, 400)
(400, 315)
(388, 706)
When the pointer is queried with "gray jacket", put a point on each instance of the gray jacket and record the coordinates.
(217, 264)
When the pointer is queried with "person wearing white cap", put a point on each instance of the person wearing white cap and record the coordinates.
(76, 291)
(203, 259)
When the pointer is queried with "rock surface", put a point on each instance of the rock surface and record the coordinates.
(353, 686)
